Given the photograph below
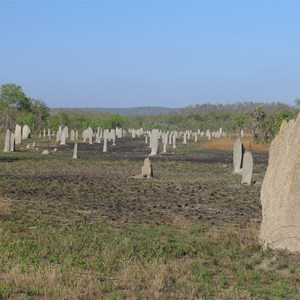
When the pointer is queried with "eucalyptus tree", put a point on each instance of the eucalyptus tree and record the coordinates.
(12, 101)
(15, 106)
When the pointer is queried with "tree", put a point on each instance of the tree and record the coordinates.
(41, 113)
(240, 120)
(53, 122)
(79, 121)
(279, 118)
(262, 125)
(25, 118)
(112, 121)
(13, 100)
(63, 118)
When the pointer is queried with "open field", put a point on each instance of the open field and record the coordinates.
(86, 229)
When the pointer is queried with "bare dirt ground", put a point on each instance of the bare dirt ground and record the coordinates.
(190, 183)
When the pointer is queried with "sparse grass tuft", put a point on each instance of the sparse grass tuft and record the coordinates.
(86, 230)
(98, 261)
(5, 208)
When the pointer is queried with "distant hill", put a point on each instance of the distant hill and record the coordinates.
(234, 108)
(202, 109)
(138, 111)
(128, 111)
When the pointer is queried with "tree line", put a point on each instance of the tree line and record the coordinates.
(262, 120)
(17, 108)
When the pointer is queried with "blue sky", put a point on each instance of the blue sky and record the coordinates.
(151, 53)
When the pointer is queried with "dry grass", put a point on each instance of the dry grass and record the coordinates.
(5, 207)
(227, 144)
(158, 279)
(66, 235)
(178, 221)
(93, 261)
(49, 283)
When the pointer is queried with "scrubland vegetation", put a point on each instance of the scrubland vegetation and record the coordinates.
(85, 229)
(261, 120)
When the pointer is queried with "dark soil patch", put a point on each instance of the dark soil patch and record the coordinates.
(190, 184)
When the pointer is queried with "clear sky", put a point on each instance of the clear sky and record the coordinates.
(151, 53)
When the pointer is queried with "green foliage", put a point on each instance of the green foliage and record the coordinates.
(262, 125)
(16, 107)
(63, 118)
(264, 121)
(12, 97)
(12, 100)
(112, 121)
(53, 122)
(26, 118)
(94, 124)
(187, 122)
(279, 118)
(4, 291)
(240, 120)
(265, 126)
(41, 113)
(79, 122)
